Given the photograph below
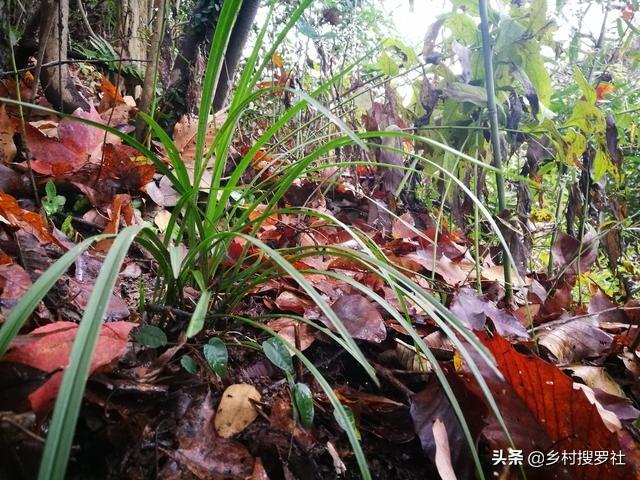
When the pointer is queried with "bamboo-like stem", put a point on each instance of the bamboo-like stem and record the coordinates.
(495, 131)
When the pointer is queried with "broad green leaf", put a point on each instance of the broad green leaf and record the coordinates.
(575, 145)
(463, 28)
(387, 65)
(189, 364)
(587, 117)
(303, 400)
(533, 65)
(601, 164)
(150, 336)
(217, 356)
(278, 354)
(199, 313)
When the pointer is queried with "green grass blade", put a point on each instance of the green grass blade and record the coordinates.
(69, 400)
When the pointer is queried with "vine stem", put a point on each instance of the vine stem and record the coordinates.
(495, 130)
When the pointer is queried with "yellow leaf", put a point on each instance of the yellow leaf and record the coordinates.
(235, 411)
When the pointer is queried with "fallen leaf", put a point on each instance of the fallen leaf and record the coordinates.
(360, 317)
(47, 348)
(443, 452)
(575, 340)
(235, 411)
(76, 144)
(431, 405)
(204, 453)
(472, 309)
(571, 421)
(28, 222)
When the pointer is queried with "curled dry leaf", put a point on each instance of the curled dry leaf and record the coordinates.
(443, 452)
(28, 222)
(576, 340)
(235, 411)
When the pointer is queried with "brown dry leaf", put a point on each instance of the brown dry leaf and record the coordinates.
(185, 132)
(286, 327)
(472, 309)
(235, 411)
(596, 377)
(7, 147)
(575, 340)
(401, 227)
(205, 454)
(360, 317)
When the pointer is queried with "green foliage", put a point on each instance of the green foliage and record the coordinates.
(52, 203)
(217, 356)
(151, 336)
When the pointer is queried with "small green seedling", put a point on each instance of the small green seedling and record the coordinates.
(52, 202)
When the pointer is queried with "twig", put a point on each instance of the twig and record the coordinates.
(391, 378)
(83, 14)
(79, 60)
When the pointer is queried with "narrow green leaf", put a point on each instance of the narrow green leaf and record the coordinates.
(67, 406)
(197, 318)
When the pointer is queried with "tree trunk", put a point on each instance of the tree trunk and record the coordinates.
(146, 99)
(134, 18)
(184, 78)
(238, 39)
(56, 80)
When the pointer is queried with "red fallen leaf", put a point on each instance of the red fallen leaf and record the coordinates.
(203, 452)
(75, 144)
(360, 317)
(565, 413)
(47, 348)
(28, 222)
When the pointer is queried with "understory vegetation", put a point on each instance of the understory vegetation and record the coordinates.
(281, 239)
